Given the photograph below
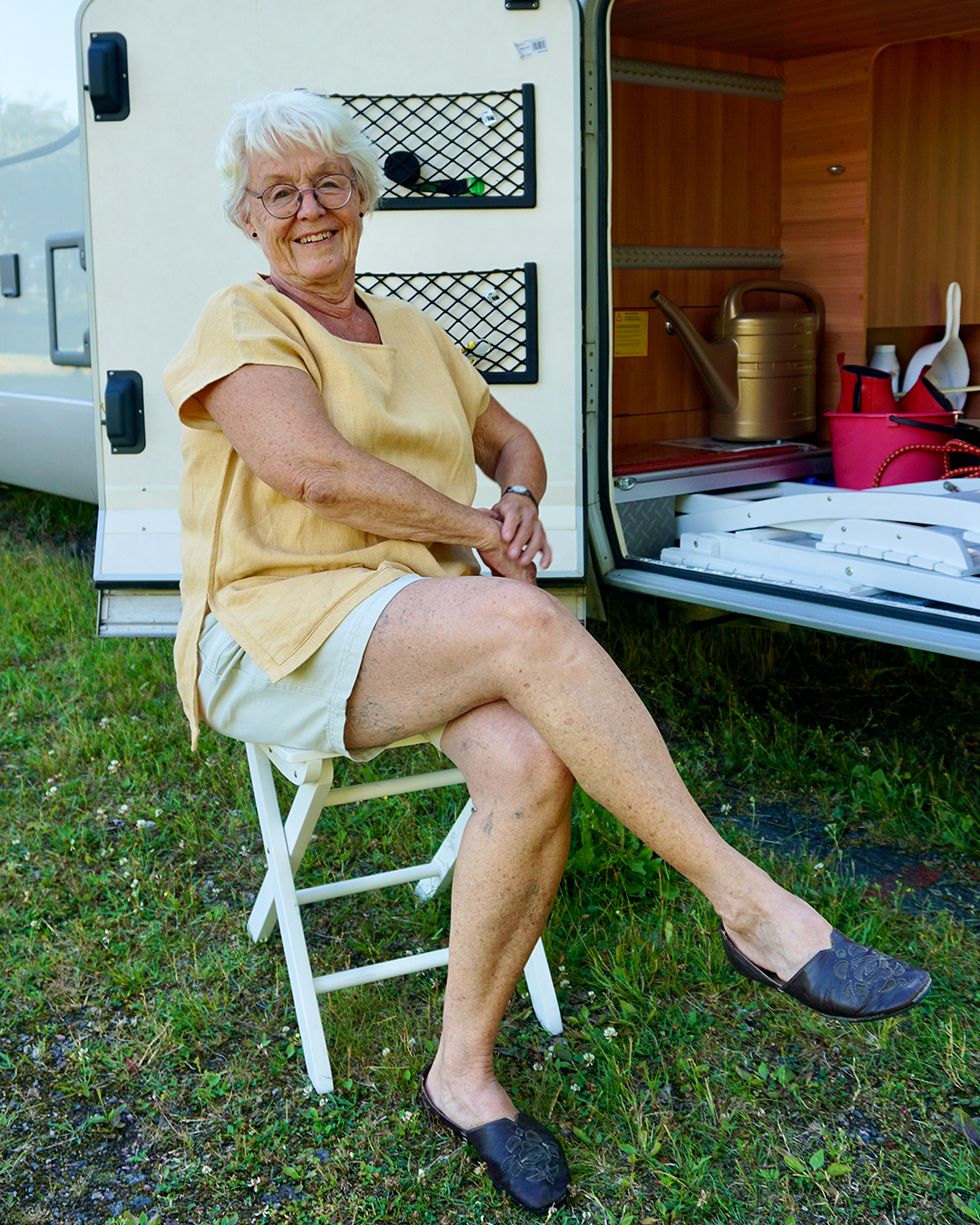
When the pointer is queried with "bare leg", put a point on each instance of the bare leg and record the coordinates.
(507, 872)
(444, 647)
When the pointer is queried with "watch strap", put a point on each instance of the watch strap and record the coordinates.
(523, 491)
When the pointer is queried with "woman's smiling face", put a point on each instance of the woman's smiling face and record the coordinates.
(315, 251)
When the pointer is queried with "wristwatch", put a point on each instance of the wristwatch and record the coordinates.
(523, 491)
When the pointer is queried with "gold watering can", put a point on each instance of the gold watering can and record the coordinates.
(760, 370)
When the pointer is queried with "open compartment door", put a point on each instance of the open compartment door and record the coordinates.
(690, 497)
(483, 94)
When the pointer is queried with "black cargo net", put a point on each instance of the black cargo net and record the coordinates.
(452, 151)
(491, 316)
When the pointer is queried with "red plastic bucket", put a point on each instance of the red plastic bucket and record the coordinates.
(861, 442)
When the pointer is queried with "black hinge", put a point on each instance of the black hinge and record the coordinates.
(108, 77)
(522, 4)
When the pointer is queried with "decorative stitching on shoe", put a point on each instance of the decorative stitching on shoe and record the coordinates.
(534, 1155)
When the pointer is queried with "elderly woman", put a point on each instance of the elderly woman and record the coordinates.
(332, 601)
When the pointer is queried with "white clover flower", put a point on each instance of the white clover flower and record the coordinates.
(574, 1087)
(564, 983)
(588, 1057)
(538, 1067)
(123, 808)
(609, 1031)
(407, 1116)
(385, 1052)
(113, 766)
(726, 809)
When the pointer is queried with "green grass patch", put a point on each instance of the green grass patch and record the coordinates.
(149, 1065)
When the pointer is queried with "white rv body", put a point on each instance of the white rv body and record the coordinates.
(156, 247)
(47, 426)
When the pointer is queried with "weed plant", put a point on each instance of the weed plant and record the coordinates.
(149, 1066)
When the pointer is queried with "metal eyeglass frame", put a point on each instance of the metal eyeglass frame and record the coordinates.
(301, 192)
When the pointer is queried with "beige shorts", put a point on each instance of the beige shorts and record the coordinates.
(306, 709)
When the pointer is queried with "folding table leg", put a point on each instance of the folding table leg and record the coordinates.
(291, 927)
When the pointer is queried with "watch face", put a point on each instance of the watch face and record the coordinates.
(523, 490)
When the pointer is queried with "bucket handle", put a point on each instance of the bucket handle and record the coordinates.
(963, 430)
(924, 425)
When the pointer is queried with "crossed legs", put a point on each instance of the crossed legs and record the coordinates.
(533, 702)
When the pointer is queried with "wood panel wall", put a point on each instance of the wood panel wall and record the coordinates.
(826, 122)
(689, 169)
(880, 240)
(925, 183)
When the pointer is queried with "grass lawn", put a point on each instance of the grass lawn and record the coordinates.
(149, 1065)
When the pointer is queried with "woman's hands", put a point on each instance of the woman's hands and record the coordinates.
(506, 451)
(522, 540)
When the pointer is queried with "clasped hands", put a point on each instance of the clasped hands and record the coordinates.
(523, 544)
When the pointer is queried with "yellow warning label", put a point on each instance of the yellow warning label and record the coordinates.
(630, 333)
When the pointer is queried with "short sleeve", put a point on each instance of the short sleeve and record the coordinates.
(238, 327)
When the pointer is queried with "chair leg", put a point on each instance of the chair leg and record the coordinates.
(287, 911)
(304, 812)
(445, 858)
(541, 988)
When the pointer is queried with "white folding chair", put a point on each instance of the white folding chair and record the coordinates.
(279, 900)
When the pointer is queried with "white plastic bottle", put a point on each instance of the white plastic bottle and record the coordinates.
(885, 358)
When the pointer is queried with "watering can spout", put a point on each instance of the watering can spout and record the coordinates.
(716, 361)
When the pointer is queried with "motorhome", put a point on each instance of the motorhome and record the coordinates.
(652, 224)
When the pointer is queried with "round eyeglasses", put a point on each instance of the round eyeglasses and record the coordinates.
(284, 200)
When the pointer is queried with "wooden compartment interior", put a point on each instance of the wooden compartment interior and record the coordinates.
(879, 237)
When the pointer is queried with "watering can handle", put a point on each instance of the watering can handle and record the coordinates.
(732, 303)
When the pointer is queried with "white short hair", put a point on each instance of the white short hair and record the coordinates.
(289, 119)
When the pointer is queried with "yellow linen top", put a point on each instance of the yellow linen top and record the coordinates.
(279, 577)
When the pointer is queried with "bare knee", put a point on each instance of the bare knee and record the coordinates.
(510, 767)
(539, 776)
(533, 616)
